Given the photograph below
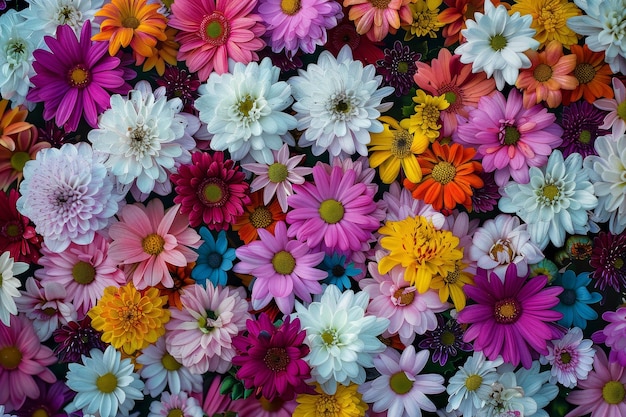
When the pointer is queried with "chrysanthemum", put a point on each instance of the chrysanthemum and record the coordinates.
(425, 20)
(47, 15)
(104, 384)
(593, 75)
(200, 335)
(12, 122)
(211, 190)
(181, 404)
(575, 300)
(25, 145)
(17, 234)
(337, 104)
(398, 67)
(511, 318)
(614, 335)
(76, 339)
(257, 215)
(9, 285)
(608, 261)
(485, 198)
(181, 83)
(212, 31)
(555, 201)
(549, 20)
(426, 119)
(507, 397)
(215, 258)
(571, 358)
(51, 400)
(76, 78)
(376, 19)
(445, 341)
(147, 238)
(449, 176)
(495, 42)
(345, 402)
(581, 123)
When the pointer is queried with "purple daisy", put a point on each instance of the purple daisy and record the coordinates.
(181, 83)
(52, 398)
(446, 340)
(608, 261)
(76, 77)
(398, 67)
(485, 198)
(581, 123)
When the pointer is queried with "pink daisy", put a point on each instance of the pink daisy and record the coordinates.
(571, 358)
(376, 18)
(212, 31)
(22, 357)
(176, 404)
(84, 270)
(509, 137)
(146, 239)
(283, 268)
(613, 335)
(616, 119)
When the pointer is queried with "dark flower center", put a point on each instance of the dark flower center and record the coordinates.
(284, 263)
(10, 357)
(403, 67)
(261, 218)
(130, 22)
(584, 73)
(12, 231)
(215, 29)
(404, 296)
(568, 297)
(83, 272)
(78, 76)
(272, 406)
(401, 144)
(447, 338)
(290, 7)
(511, 135)
(18, 160)
(507, 311)
(276, 359)
(214, 260)
(565, 358)
(443, 172)
(338, 271)
(542, 73)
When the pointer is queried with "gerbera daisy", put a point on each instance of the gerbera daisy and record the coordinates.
(9, 285)
(76, 78)
(181, 83)
(426, 119)
(608, 261)
(425, 20)
(511, 318)
(215, 258)
(51, 400)
(549, 20)
(575, 300)
(345, 402)
(376, 19)
(12, 122)
(449, 176)
(257, 215)
(613, 335)
(12, 162)
(164, 52)
(17, 235)
(446, 340)
(362, 48)
(146, 238)
(593, 75)
(398, 67)
(181, 404)
(76, 339)
(581, 123)
(571, 358)
(212, 31)
(211, 190)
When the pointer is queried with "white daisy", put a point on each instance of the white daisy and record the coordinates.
(495, 43)
(554, 202)
(9, 285)
(507, 398)
(104, 384)
(571, 358)
(338, 103)
(341, 338)
(244, 110)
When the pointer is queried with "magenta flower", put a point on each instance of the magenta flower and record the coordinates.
(614, 335)
(511, 318)
(76, 77)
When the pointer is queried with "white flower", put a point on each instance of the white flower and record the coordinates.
(571, 358)
(104, 384)
(243, 109)
(534, 385)
(502, 241)
(9, 285)
(554, 202)
(495, 43)
(337, 103)
(604, 28)
(507, 398)
(341, 338)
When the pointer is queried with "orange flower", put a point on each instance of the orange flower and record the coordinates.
(449, 174)
(593, 75)
(164, 52)
(131, 22)
(11, 122)
(181, 275)
(12, 162)
(257, 215)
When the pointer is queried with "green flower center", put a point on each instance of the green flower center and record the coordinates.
(12, 230)
(565, 358)
(450, 97)
(447, 338)
(246, 105)
(277, 172)
(284, 263)
(618, 263)
(107, 383)
(205, 324)
(290, 7)
(18, 160)
(613, 392)
(153, 244)
(511, 135)
(403, 67)
(170, 363)
(400, 383)
(331, 211)
(215, 29)
(584, 73)
(584, 136)
(621, 110)
(212, 192)
(443, 172)
(498, 42)
(83, 272)
(10, 357)
(472, 383)
(542, 73)
(329, 337)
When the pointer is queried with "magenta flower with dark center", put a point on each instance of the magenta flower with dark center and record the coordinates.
(181, 83)
(76, 339)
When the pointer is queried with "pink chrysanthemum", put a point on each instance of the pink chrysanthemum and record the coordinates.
(615, 119)
(22, 357)
(509, 137)
(400, 204)
(614, 335)
(200, 335)
(571, 358)
(284, 268)
(212, 31)
(511, 318)
(376, 19)
(147, 238)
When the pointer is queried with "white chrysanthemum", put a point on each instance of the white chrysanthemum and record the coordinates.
(604, 28)
(104, 384)
(243, 109)
(47, 15)
(338, 103)
(67, 193)
(341, 338)
(9, 285)
(607, 172)
(495, 43)
(554, 202)
(534, 385)
(507, 398)
(571, 358)
(143, 136)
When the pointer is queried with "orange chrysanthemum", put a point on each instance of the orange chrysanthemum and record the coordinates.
(11, 122)
(164, 52)
(181, 275)
(256, 216)
(593, 75)
(131, 22)
(449, 174)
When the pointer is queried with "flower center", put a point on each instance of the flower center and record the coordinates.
(16, 51)
(329, 337)
(41, 412)
(18, 160)
(338, 271)
(205, 324)
(50, 311)
(584, 73)
(277, 172)
(402, 67)
(568, 297)
(68, 15)
(507, 311)
(401, 144)
(326, 406)
(450, 97)
(613, 392)
(443, 172)
(170, 363)
(83, 272)
(400, 383)
(565, 358)
(10, 357)
(331, 211)
(380, 4)
(453, 276)
(404, 296)
(214, 260)
(542, 73)
(175, 412)
(551, 192)
(107, 383)
(11, 231)
(340, 106)
(290, 7)
(130, 22)
(472, 383)
(498, 42)
(584, 136)
(284, 263)
(511, 135)
(447, 338)
(621, 110)
(502, 252)
(276, 359)
(213, 192)
(153, 244)
(215, 29)
(78, 76)
(261, 218)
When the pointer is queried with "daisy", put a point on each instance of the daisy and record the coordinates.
(9, 286)
(212, 31)
(581, 123)
(398, 67)
(244, 111)
(12, 122)
(534, 384)
(215, 258)
(340, 272)
(555, 201)
(615, 119)
(571, 358)
(181, 275)
(608, 260)
(495, 43)
(181, 404)
(20, 148)
(75, 339)
(256, 216)
(376, 19)
(346, 401)
(17, 234)
(445, 341)
(47, 15)
(164, 52)
(575, 300)
(485, 199)
(104, 383)
(146, 239)
(425, 19)
(454, 16)
(593, 75)
(614, 334)
(550, 20)
(337, 104)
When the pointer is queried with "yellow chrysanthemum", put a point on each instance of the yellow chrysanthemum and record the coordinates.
(130, 319)
(427, 111)
(422, 250)
(395, 147)
(550, 19)
(346, 402)
(425, 20)
(450, 286)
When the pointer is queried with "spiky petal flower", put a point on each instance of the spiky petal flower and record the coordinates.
(608, 261)
(75, 339)
(9, 285)
(571, 358)
(581, 123)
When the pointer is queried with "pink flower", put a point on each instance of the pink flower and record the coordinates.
(613, 335)
(146, 239)
(616, 119)
(377, 21)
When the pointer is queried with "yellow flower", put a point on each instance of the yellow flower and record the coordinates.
(163, 53)
(130, 319)
(426, 118)
(425, 21)
(346, 402)
(395, 147)
(550, 19)
(421, 249)
(451, 285)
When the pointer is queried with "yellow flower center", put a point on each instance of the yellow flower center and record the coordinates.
(584, 136)
(400, 383)
(551, 192)
(261, 218)
(18, 160)
(447, 338)
(245, 105)
(425, 21)
(175, 412)
(621, 110)
(130, 22)
(276, 359)
(401, 144)
(277, 172)
(331, 211)
(170, 363)
(290, 7)
(453, 276)
(511, 135)
(542, 73)
(502, 252)
(584, 73)
(215, 29)
(78, 76)
(107, 383)
(507, 311)
(404, 296)
(284, 263)
(329, 337)
(613, 392)
(565, 358)
(380, 4)
(498, 42)
(40, 412)
(472, 383)
(153, 244)
(83, 272)
(10, 357)
(443, 172)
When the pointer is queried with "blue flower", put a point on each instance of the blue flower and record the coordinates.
(575, 298)
(339, 273)
(214, 260)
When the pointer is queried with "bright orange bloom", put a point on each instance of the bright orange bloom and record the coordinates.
(449, 174)
(181, 275)
(164, 52)
(256, 216)
(11, 122)
(131, 22)
(12, 162)
(593, 75)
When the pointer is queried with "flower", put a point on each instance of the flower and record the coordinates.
(104, 383)
(215, 258)
(25, 148)
(581, 123)
(163, 52)
(450, 286)
(212, 31)
(337, 104)
(425, 120)
(362, 48)
(181, 275)
(571, 358)
(76, 78)
(339, 271)
(378, 19)
(257, 216)
(398, 67)
(511, 318)
(575, 300)
(75, 339)
(508, 398)
(180, 402)
(608, 258)
(216, 402)
(12, 122)
(47, 15)
(454, 16)
(181, 83)
(613, 335)
(9, 285)
(485, 199)
(262, 407)
(345, 402)
(549, 20)
(425, 20)
(17, 235)
(593, 75)
(401, 204)
(616, 118)
(146, 239)
(446, 340)
(52, 398)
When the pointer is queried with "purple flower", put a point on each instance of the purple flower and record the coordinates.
(52, 398)
(398, 67)
(446, 340)
(581, 123)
